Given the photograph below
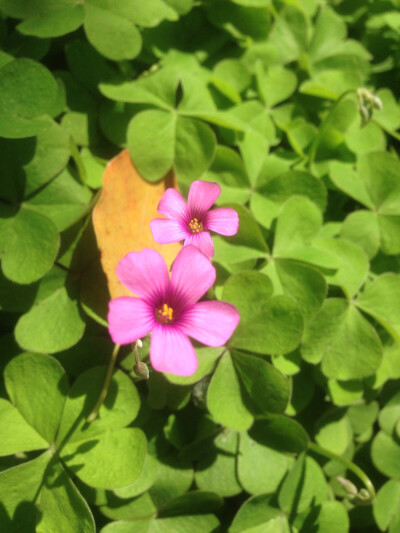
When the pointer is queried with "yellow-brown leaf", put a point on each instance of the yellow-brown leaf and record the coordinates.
(122, 215)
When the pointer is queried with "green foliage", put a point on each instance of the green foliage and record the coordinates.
(42, 407)
(292, 108)
(38, 387)
(345, 343)
(29, 242)
(54, 324)
(28, 93)
(224, 398)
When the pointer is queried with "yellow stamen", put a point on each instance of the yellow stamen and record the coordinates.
(195, 226)
(165, 314)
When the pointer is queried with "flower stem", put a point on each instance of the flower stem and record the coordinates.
(348, 464)
(322, 128)
(135, 351)
(104, 390)
(140, 368)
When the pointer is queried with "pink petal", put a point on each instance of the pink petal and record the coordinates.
(202, 195)
(192, 275)
(202, 241)
(223, 220)
(173, 206)
(165, 231)
(171, 351)
(145, 274)
(211, 323)
(129, 319)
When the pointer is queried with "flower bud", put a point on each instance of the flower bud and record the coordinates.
(367, 102)
(377, 102)
(349, 487)
(141, 370)
(356, 497)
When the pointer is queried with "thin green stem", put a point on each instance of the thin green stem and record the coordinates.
(63, 267)
(135, 351)
(104, 390)
(348, 464)
(140, 368)
(323, 126)
(90, 207)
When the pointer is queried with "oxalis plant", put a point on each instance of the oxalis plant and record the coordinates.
(199, 282)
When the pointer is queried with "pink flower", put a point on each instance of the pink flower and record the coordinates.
(170, 308)
(191, 222)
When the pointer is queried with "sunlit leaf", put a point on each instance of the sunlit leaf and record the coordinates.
(129, 203)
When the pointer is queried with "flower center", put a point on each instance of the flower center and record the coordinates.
(195, 226)
(165, 314)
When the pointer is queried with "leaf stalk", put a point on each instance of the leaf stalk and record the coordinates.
(349, 465)
(104, 390)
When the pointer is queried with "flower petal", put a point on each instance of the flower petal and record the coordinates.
(171, 351)
(165, 231)
(145, 274)
(129, 319)
(223, 220)
(173, 206)
(192, 275)
(202, 195)
(211, 323)
(202, 241)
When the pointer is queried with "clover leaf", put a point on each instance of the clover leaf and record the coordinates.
(47, 417)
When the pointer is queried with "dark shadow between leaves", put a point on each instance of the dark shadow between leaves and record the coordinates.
(168, 455)
(63, 385)
(192, 503)
(207, 461)
(192, 433)
(15, 297)
(90, 279)
(310, 524)
(15, 155)
(71, 286)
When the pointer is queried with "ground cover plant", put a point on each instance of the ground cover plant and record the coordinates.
(285, 421)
